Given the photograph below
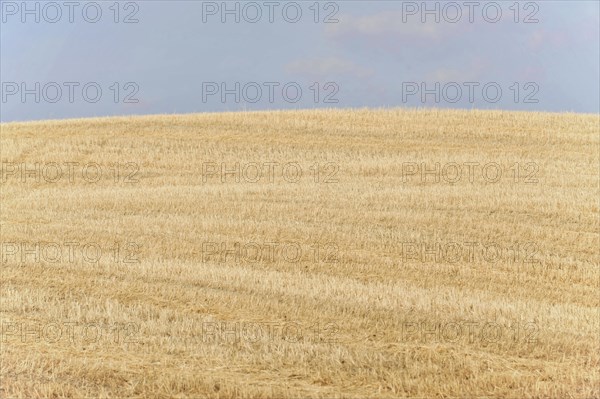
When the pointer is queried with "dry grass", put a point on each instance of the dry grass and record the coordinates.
(365, 318)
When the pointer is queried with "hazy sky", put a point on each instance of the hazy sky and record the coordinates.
(180, 56)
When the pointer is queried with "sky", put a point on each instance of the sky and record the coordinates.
(85, 59)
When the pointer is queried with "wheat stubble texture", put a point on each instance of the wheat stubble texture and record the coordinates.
(361, 319)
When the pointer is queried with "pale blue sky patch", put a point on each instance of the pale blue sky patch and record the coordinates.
(377, 54)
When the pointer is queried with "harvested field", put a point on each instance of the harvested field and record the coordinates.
(348, 253)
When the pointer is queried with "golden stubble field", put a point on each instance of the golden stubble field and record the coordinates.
(358, 253)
